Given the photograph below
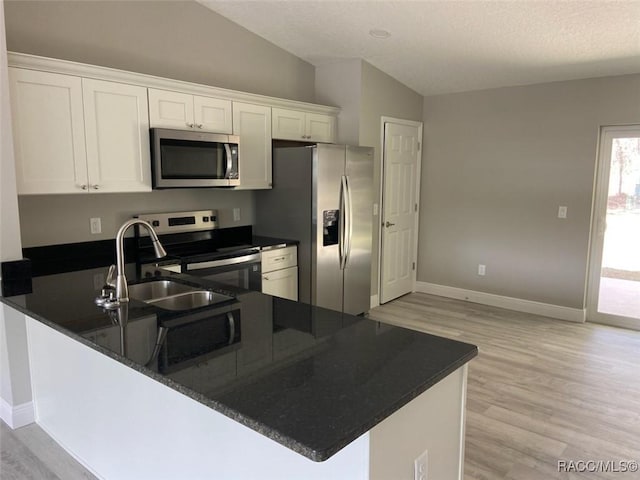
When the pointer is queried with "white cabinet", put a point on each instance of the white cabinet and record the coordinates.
(117, 136)
(280, 272)
(74, 135)
(48, 132)
(304, 126)
(253, 124)
(169, 109)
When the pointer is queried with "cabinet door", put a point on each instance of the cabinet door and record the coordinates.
(117, 136)
(48, 132)
(281, 283)
(288, 124)
(212, 114)
(170, 109)
(253, 124)
(320, 128)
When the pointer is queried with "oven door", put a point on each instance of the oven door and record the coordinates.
(242, 272)
(193, 159)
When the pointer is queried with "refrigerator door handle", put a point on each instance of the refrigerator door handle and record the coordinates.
(342, 226)
(348, 221)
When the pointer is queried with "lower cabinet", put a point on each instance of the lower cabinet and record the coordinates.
(280, 272)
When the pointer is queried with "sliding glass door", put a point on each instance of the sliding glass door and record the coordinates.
(614, 279)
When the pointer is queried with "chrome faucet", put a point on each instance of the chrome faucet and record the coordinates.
(122, 291)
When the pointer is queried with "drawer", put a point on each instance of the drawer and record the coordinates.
(279, 258)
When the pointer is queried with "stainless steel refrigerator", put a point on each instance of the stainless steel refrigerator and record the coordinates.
(322, 196)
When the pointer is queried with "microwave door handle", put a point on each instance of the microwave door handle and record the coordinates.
(232, 327)
(227, 150)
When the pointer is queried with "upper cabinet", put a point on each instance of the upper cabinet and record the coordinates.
(74, 135)
(303, 126)
(117, 134)
(253, 124)
(169, 109)
(84, 128)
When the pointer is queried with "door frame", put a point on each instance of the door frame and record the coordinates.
(598, 225)
(411, 123)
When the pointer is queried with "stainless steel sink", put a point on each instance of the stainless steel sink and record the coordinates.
(176, 296)
(158, 289)
(189, 300)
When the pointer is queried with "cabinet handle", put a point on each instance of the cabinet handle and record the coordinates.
(199, 125)
(83, 187)
(96, 187)
(190, 125)
(264, 277)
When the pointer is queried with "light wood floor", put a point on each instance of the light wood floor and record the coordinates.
(28, 453)
(541, 390)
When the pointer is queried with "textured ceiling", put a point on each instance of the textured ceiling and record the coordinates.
(451, 46)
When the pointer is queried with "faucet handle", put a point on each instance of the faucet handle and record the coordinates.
(111, 276)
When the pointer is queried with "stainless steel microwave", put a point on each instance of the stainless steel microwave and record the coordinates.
(185, 159)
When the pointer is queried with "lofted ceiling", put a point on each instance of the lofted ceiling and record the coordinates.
(439, 47)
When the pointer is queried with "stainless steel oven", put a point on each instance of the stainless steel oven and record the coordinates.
(242, 269)
(184, 159)
(196, 246)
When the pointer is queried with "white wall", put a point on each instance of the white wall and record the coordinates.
(496, 166)
(15, 384)
(10, 247)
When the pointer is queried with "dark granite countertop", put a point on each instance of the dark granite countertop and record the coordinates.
(309, 378)
(271, 242)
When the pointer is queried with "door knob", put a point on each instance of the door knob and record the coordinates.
(389, 224)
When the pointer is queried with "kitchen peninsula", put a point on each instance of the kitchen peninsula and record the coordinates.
(296, 392)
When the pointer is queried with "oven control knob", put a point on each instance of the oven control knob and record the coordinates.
(205, 219)
(155, 223)
(213, 219)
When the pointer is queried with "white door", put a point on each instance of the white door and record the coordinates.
(170, 109)
(614, 266)
(117, 136)
(253, 124)
(399, 209)
(212, 114)
(48, 129)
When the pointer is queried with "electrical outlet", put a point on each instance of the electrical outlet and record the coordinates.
(96, 225)
(236, 214)
(562, 211)
(482, 270)
(421, 467)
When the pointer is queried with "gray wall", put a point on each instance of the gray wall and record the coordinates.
(496, 166)
(382, 95)
(175, 39)
(366, 94)
(55, 219)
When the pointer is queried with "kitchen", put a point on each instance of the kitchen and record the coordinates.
(49, 222)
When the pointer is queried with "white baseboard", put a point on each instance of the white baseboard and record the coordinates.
(17, 416)
(544, 309)
(375, 301)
